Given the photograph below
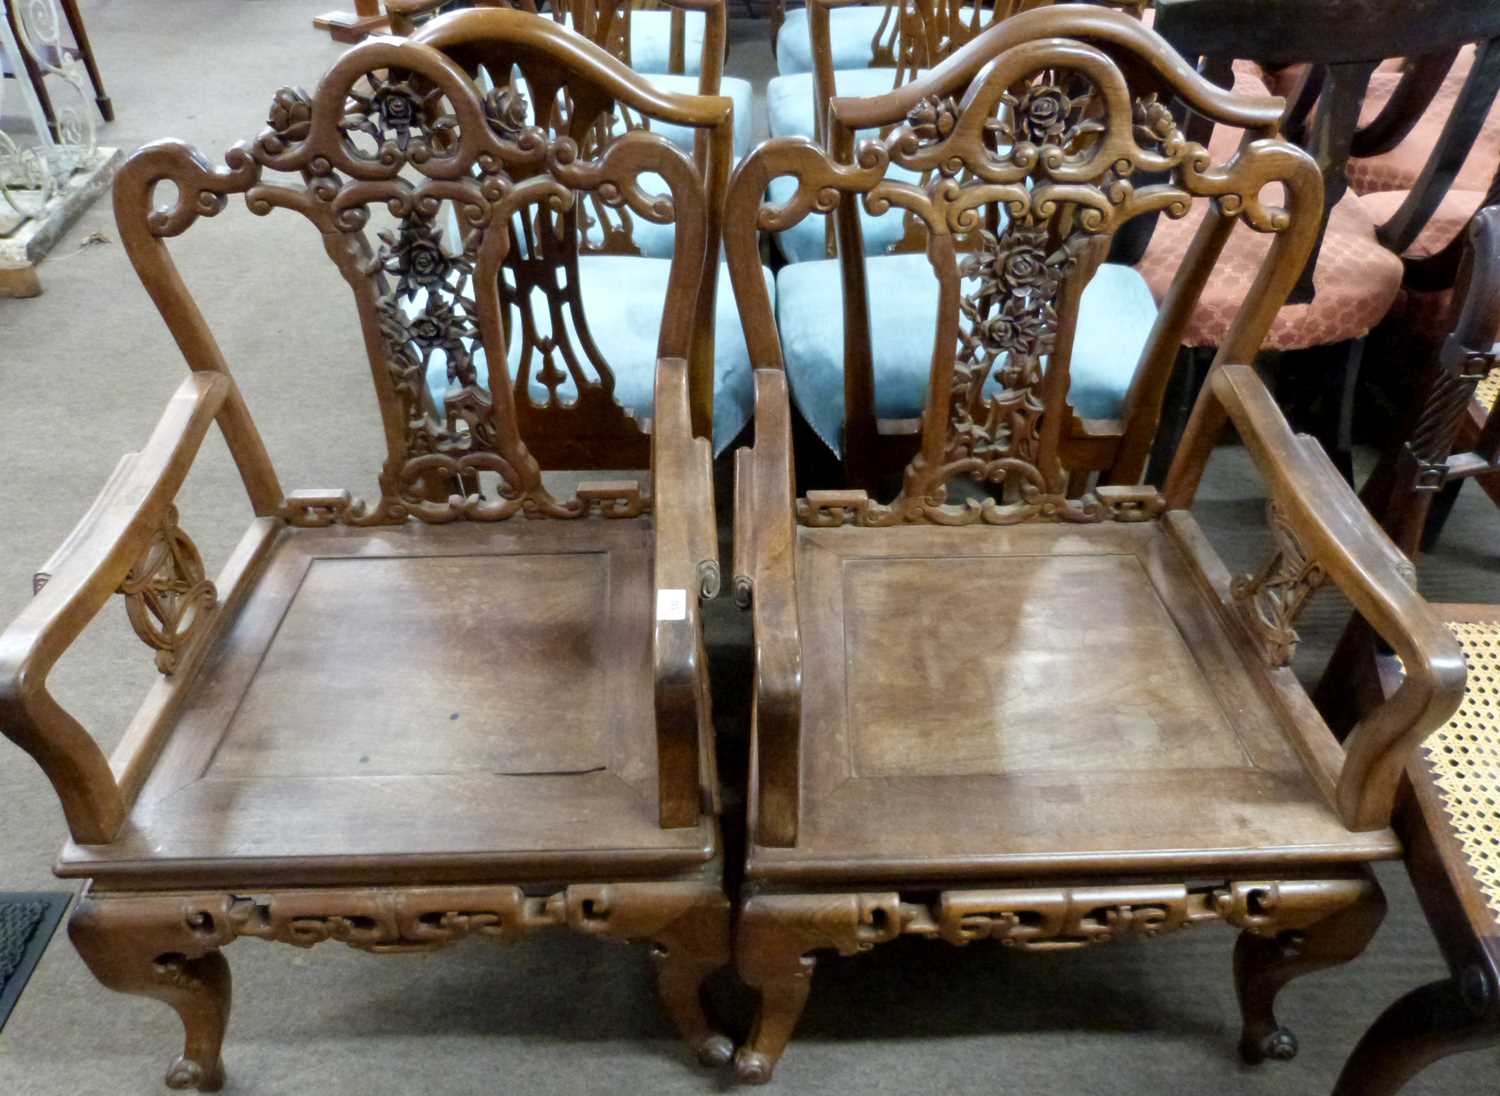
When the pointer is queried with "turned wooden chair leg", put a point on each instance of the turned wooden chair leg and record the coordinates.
(1264, 964)
(684, 959)
(86, 51)
(140, 948)
(1429, 1023)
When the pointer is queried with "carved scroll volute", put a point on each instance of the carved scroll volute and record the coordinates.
(167, 598)
(1271, 599)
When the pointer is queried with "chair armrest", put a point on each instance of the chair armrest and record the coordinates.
(765, 540)
(1338, 533)
(74, 584)
(686, 569)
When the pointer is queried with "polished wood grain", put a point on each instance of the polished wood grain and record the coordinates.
(1018, 697)
(467, 706)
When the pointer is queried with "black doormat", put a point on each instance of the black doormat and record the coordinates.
(27, 922)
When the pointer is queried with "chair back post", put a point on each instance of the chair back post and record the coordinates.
(1458, 136)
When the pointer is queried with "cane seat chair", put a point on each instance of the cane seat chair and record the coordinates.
(1448, 817)
(471, 705)
(1018, 700)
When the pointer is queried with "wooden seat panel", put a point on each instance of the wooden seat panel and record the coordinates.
(1035, 699)
(479, 695)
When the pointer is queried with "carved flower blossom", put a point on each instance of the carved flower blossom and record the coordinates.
(1043, 113)
(933, 118)
(291, 114)
(416, 257)
(1153, 123)
(1018, 328)
(393, 108)
(1012, 265)
(505, 109)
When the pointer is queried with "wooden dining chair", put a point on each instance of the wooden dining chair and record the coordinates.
(1015, 700)
(469, 705)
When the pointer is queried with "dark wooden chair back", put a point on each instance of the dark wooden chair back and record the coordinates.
(455, 214)
(1341, 43)
(1049, 117)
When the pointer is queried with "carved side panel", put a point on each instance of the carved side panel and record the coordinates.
(1271, 599)
(167, 597)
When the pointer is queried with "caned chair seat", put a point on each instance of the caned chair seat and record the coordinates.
(1355, 282)
(1116, 318)
(622, 299)
(421, 722)
(851, 29)
(1401, 167)
(966, 724)
(1463, 757)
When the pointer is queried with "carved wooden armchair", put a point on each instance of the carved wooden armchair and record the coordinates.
(356, 733)
(1017, 701)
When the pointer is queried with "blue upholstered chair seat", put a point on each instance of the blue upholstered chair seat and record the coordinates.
(651, 40)
(1117, 314)
(622, 304)
(732, 86)
(789, 106)
(851, 32)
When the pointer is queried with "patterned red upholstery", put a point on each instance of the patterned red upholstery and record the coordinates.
(1355, 282)
(1447, 222)
(1400, 168)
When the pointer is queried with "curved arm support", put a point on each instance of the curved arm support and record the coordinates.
(78, 580)
(686, 569)
(1337, 532)
(765, 538)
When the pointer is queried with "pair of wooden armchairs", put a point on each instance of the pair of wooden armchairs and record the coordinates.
(1019, 700)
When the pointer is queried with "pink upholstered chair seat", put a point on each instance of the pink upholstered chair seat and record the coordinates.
(1446, 222)
(1355, 282)
(1400, 168)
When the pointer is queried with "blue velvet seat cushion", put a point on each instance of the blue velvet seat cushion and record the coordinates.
(651, 40)
(851, 32)
(622, 299)
(732, 86)
(1116, 318)
(789, 105)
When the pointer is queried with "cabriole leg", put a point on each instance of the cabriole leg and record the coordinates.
(145, 948)
(1264, 962)
(685, 955)
(776, 935)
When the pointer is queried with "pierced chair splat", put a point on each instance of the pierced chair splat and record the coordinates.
(1113, 720)
(356, 735)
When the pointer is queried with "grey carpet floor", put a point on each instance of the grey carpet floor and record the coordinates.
(86, 369)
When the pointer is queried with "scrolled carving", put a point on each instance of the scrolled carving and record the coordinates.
(167, 598)
(1271, 599)
(477, 190)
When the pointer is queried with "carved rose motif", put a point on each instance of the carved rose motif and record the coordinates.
(1015, 264)
(291, 114)
(415, 255)
(1016, 328)
(436, 326)
(1044, 112)
(393, 108)
(933, 118)
(505, 110)
(1153, 122)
